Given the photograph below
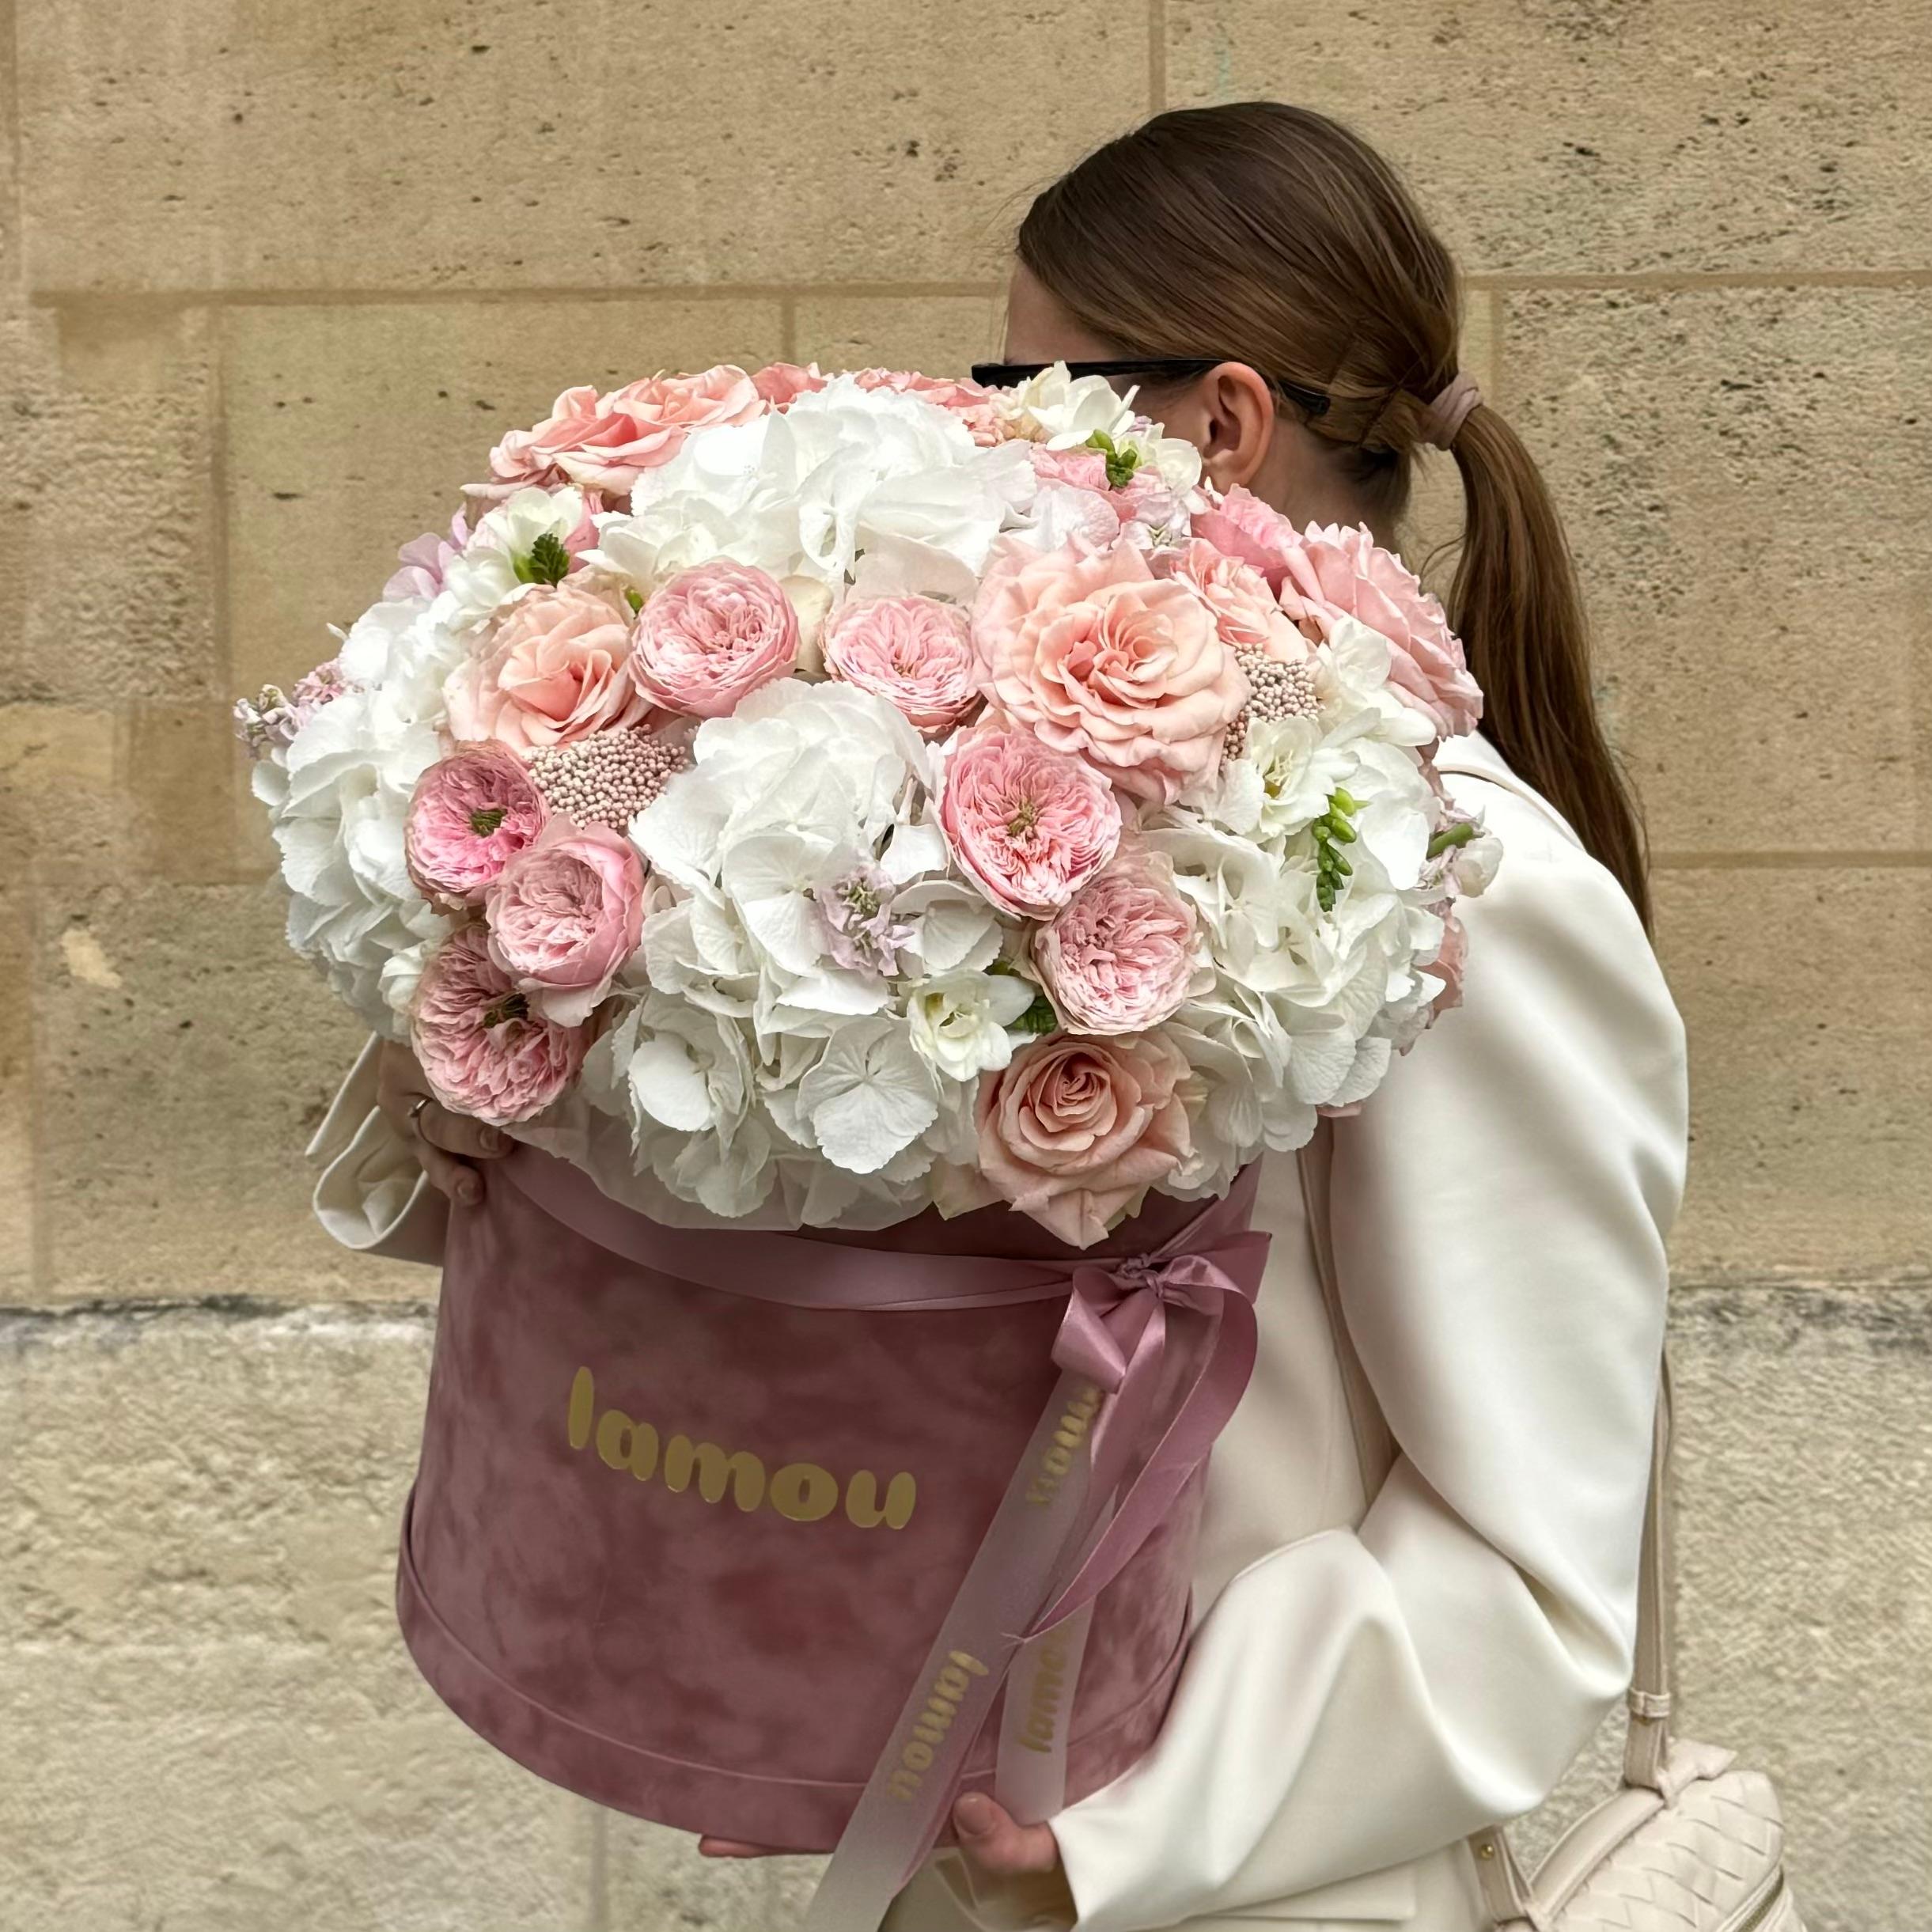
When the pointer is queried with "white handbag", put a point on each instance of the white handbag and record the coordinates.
(1690, 1842)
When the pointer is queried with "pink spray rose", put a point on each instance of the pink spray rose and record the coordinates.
(1102, 657)
(1245, 612)
(1333, 572)
(1118, 959)
(1241, 526)
(782, 383)
(1074, 1131)
(1028, 825)
(913, 652)
(713, 634)
(482, 1050)
(553, 668)
(470, 815)
(605, 442)
(564, 915)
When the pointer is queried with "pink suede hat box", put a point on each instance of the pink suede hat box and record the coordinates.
(790, 1537)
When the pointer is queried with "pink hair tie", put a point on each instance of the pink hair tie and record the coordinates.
(1444, 417)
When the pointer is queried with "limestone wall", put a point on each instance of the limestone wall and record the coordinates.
(275, 275)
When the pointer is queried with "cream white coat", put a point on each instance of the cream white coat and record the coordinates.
(1372, 1676)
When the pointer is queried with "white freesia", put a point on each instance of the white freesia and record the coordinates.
(483, 576)
(1065, 411)
(959, 1020)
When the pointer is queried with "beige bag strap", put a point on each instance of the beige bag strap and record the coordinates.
(1506, 1891)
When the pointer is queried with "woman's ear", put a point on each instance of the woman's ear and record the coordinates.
(1229, 414)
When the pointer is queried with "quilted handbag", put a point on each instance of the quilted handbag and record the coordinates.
(1691, 1841)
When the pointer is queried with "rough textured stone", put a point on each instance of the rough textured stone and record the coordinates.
(105, 437)
(656, 1877)
(351, 429)
(939, 334)
(226, 1732)
(1804, 1625)
(1804, 990)
(1596, 135)
(1731, 464)
(59, 778)
(505, 143)
(185, 1057)
(16, 1185)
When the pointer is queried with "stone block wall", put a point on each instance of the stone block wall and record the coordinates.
(272, 277)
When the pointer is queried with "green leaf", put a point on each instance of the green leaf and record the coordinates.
(1038, 1018)
(548, 561)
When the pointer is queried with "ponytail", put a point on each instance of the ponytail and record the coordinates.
(1515, 604)
(1273, 235)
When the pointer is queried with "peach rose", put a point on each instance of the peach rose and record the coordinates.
(913, 652)
(1075, 1132)
(1241, 526)
(973, 406)
(1333, 572)
(1028, 825)
(1118, 958)
(712, 635)
(554, 667)
(1106, 660)
(1245, 612)
(781, 383)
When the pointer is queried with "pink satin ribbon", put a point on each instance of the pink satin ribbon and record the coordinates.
(1057, 1539)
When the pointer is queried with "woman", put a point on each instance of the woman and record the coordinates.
(1384, 1662)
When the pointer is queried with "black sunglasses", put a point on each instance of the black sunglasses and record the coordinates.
(1176, 368)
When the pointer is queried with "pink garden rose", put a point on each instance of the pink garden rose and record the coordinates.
(605, 442)
(1118, 958)
(1075, 1132)
(564, 915)
(1333, 572)
(1102, 658)
(1245, 612)
(1241, 526)
(913, 652)
(553, 668)
(482, 1050)
(782, 383)
(1028, 825)
(713, 634)
(470, 815)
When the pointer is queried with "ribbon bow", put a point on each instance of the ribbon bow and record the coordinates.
(1117, 1312)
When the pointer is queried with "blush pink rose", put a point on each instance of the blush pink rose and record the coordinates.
(470, 814)
(1075, 1132)
(553, 668)
(782, 383)
(1119, 957)
(1102, 658)
(712, 635)
(1241, 526)
(913, 652)
(1028, 825)
(1334, 572)
(1245, 612)
(564, 915)
(482, 1050)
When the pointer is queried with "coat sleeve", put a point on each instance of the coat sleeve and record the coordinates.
(372, 1194)
(1364, 1696)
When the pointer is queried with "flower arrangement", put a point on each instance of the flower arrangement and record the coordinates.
(810, 799)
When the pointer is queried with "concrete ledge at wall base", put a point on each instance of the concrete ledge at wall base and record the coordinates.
(215, 1724)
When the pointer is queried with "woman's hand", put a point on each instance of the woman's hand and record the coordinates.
(987, 1834)
(448, 1145)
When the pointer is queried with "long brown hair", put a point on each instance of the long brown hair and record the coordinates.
(1273, 236)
